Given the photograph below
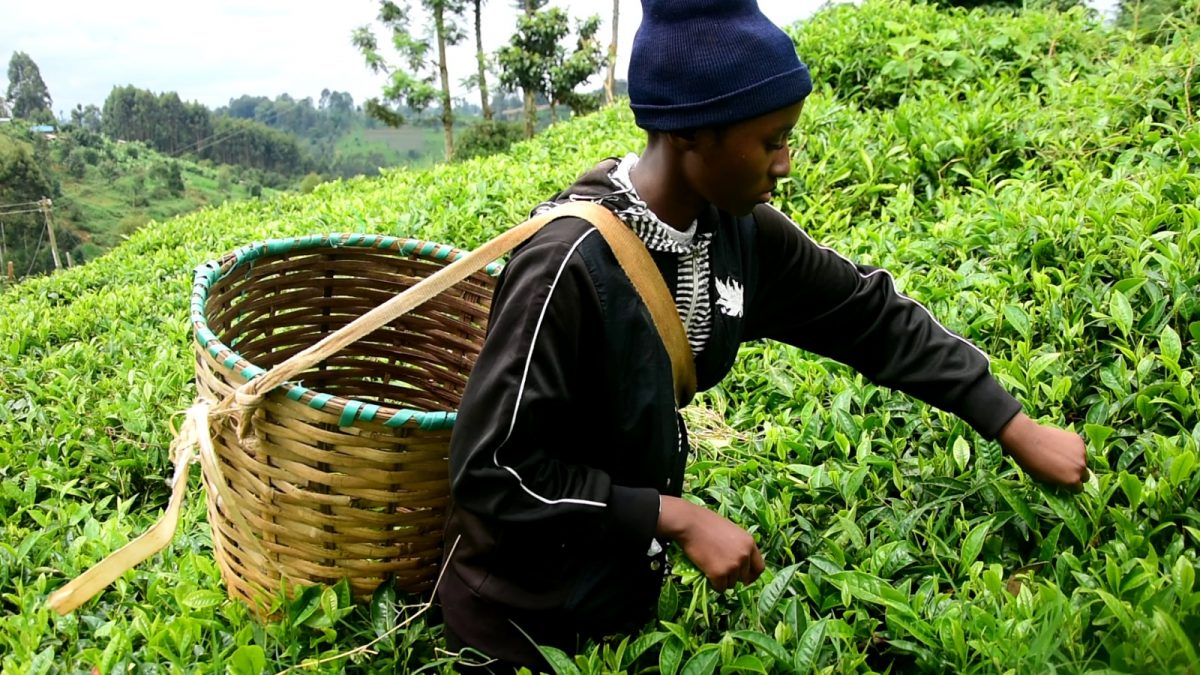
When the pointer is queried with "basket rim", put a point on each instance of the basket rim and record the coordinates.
(208, 273)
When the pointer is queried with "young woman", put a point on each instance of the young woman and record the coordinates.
(568, 453)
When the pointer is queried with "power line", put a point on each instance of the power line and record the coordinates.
(216, 138)
(204, 143)
(5, 206)
(14, 213)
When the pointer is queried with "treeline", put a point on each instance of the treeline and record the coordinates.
(317, 127)
(252, 144)
(167, 124)
(332, 116)
(163, 121)
(284, 137)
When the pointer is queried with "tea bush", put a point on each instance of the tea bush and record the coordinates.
(1031, 178)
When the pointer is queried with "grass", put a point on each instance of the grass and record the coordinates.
(1038, 193)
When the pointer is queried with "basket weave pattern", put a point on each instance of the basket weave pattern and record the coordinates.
(344, 473)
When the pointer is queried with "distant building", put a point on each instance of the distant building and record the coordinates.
(46, 130)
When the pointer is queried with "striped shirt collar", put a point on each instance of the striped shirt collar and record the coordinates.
(657, 235)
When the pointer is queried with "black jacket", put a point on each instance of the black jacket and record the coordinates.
(568, 431)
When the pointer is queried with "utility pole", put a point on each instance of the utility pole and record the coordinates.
(3, 244)
(45, 204)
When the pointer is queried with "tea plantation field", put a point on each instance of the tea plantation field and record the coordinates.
(1032, 179)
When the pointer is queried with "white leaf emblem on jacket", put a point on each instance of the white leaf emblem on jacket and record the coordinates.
(730, 300)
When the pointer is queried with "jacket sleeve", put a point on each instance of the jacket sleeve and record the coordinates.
(811, 297)
(511, 451)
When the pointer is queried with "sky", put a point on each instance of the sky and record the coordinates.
(215, 50)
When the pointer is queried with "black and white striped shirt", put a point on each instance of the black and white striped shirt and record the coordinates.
(693, 280)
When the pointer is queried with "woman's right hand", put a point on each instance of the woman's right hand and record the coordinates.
(724, 552)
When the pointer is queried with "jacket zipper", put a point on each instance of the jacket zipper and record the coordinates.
(687, 324)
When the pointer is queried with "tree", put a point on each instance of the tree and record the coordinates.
(413, 87)
(27, 92)
(487, 137)
(24, 179)
(162, 121)
(171, 174)
(75, 164)
(535, 61)
(86, 118)
(481, 60)
(309, 183)
(529, 7)
(1154, 21)
(611, 80)
(569, 70)
(137, 189)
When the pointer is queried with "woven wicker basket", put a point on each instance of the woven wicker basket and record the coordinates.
(344, 473)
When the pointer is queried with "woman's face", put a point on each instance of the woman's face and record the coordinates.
(736, 168)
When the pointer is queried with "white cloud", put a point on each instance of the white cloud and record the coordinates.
(220, 49)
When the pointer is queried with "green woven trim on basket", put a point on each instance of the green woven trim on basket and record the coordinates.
(209, 273)
(349, 413)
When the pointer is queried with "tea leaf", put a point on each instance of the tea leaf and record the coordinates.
(769, 598)
(1018, 319)
(1067, 511)
(1183, 576)
(640, 645)
(671, 656)
(203, 599)
(746, 663)
(1017, 504)
(559, 661)
(384, 611)
(1169, 345)
(248, 660)
(973, 544)
(764, 642)
(703, 662)
(809, 647)
(1121, 312)
(962, 453)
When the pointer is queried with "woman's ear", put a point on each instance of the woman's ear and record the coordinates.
(683, 139)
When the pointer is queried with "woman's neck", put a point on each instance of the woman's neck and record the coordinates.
(659, 181)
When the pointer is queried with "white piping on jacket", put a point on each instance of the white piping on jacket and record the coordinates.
(893, 280)
(521, 391)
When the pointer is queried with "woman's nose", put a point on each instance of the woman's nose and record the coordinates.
(781, 163)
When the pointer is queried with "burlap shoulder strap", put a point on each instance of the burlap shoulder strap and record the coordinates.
(635, 260)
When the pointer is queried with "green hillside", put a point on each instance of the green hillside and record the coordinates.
(105, 209)
(107, 190)
(366, 150)
(1031, 179)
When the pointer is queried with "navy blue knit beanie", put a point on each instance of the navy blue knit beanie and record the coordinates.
(698, 63)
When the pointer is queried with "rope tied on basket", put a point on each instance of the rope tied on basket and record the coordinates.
(194, 440)
(192, 443)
